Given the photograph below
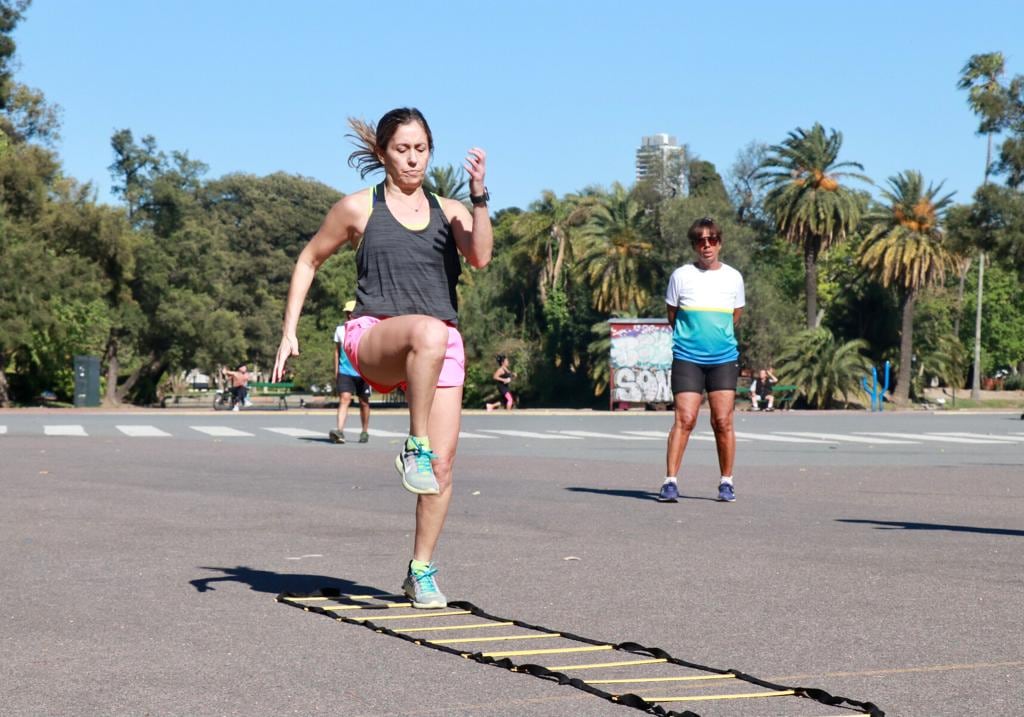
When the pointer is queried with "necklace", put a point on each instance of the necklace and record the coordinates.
(419, 204)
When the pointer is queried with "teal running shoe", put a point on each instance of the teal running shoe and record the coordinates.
(413, 464)
(421, 587)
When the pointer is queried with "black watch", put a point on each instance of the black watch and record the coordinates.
(480, 199)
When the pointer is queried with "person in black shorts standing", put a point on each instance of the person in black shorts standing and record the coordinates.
(349, 384)
(705, 299)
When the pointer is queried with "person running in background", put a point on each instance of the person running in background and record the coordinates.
(761, 390)
(705, 299)
(404, 328)
(349, 383)
(503, 376)
(239, 386)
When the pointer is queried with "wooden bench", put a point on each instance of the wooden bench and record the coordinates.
(280, 391)
(784, 395)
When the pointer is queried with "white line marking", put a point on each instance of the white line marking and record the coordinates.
(926, 437)
(616, 436)
(221, 431)
(64, 431)
(530, 434)
(987, 436)
(142, 431)
(467, 434)
(298, 432)
(842, 437)
(3, 429)
(663, 435)
(779, 439)
(386, 434)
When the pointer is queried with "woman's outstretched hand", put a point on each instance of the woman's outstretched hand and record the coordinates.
(289, 347)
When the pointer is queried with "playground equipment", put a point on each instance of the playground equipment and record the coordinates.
(876, 392)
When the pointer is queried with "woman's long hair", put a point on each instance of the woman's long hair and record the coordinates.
(371, 140)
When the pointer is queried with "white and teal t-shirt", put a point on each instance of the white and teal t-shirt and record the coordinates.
(704, 300)
(344, 365)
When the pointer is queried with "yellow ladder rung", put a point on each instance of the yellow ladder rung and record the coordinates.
(368, 607)
(456, 627)
(371, 597)
(551, 651)
(411, 617)
(596, 665)
(687, 678)
(741, 696)
(495, 638)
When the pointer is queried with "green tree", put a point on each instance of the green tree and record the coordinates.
(806, 200)
(617, 261)
(826, 372)
(447, 181)
(905, 250)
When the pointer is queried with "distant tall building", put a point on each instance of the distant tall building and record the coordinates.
(661, 160)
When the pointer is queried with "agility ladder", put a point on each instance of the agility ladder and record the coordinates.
(460, 616)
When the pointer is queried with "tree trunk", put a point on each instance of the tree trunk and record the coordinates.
(907, 301)
(113, 370)
(150, 365)
(812, 247)
(5, 397)
(964, 268)
(976, 379)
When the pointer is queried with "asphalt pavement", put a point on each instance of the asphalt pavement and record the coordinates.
(877, 557)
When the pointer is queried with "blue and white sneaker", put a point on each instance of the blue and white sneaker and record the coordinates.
(421, 588)
(413, 464)
(726, 492)
(669, 492)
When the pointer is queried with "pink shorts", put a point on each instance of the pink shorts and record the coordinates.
(453, 371)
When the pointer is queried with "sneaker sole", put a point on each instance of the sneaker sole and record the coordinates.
(436, 605)
(667, 500)
(336, 439)
(400, 467)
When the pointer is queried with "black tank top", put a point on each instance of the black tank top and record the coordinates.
(405, 271)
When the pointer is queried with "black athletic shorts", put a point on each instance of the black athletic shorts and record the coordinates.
(689, 377)
(356, 385)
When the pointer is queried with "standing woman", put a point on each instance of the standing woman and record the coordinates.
(403, 331)
(704, 300)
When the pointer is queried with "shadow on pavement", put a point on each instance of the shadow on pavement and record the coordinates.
(265, 581)
(638, 494)
(897, 524)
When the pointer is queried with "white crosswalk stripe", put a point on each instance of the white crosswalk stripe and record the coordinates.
(841, 437)
(67, 430)
(614, 436)
(531, 434)
(927, 437)
(663, 435)
(221, 431)
(143, 432)
(980, 435)
(297, 432)
(386, 434)
(779, 439)
(467, 434)
(3, 429)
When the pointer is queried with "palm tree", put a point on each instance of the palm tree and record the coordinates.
(807, 202)
(905, 249)
(547, 233)
(989, 100)
(823, 370)
(617, 260)
(447, 181)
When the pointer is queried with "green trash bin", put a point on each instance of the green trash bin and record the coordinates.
(87, 381)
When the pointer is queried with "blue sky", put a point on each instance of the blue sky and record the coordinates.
(559, 94)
